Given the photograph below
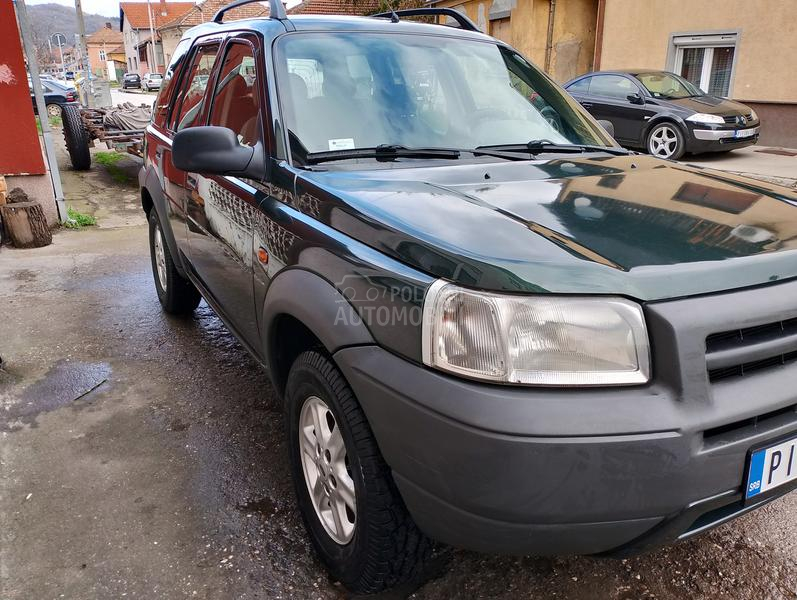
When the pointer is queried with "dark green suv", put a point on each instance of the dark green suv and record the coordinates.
(491, 326)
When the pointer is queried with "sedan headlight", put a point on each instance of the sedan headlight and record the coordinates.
(753, 115)
(706, 118)
(535, 340)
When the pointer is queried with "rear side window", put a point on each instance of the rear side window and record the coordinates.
(194, 85)
(582, 85)
(169, 82)
(236, 99)
(612, 86)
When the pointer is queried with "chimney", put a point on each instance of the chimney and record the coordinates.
(108, 25)
(164, 12)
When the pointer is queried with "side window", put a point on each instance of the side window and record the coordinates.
(236, 99)
(162, 104)
(580, 86)
(612, 86)
(193, 87)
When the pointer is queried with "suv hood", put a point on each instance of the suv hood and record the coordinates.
(629, 225)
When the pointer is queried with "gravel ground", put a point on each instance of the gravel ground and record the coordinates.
(142, 456)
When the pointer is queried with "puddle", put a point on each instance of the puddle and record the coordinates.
(264, 505)
(64, 383)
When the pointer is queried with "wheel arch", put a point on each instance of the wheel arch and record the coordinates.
(661, 119)
(301, 311)
(152, 198)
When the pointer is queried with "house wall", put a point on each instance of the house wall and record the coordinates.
(638, 34)
(169, 39)
(131, 39)
(573, 41)
(96, 65)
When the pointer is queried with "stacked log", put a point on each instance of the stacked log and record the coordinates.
(24, 221)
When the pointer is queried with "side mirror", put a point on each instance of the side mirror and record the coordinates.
(212, 150)
(608, 126)
(635, 99)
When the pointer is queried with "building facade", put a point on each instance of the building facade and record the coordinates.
(741, 49)
(137, 21)
(100, 45)
(557, 35)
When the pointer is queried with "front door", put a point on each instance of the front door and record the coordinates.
(222, 210)
(608, 98)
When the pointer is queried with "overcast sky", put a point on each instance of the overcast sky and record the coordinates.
(109, 8)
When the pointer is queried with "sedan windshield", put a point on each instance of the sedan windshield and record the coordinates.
(346, 91)
(669, 86)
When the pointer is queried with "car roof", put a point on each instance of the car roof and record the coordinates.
(271, 28)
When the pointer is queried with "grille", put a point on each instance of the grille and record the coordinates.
(741, 352)
(731, 119)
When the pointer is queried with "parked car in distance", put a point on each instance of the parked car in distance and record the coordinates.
(55, 96)
(131, 80)
(488, 323)
(664, 113)
(70, 75)
(151, 81)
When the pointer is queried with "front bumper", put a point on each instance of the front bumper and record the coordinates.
(558, 471)
(717, 140)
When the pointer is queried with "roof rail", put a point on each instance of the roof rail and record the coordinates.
(464, 21)
(276, 10)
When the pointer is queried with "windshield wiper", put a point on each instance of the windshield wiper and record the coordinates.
(539, 146)
(383, 152)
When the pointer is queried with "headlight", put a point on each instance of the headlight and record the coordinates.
(704, 118)
(753, 115)
(536, 340)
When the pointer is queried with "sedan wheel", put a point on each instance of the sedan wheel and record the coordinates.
(666, 141)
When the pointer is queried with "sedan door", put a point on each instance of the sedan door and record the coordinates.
(617, 99)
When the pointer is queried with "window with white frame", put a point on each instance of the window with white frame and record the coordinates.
(102, 55)
(707, 60)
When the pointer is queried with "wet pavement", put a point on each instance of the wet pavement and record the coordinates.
(142, 456)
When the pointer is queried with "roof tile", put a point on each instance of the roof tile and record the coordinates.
(137, 13)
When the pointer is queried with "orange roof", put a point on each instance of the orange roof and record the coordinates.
(105, 36)
(335, 7)
(137, 13)
(204, 11)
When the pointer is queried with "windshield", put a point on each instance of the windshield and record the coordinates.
(362, 90)
(669, 86)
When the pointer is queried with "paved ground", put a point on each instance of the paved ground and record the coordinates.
(141, 456)
(778, 165)
(118, 96)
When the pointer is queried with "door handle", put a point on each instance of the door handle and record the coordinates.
(190, 182)
(586, 104)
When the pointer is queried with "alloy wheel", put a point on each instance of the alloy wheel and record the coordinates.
(160, 258)
(663, 142)
(327, 473)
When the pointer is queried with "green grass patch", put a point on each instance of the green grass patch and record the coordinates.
(109, 160)
(78, 220)
(56, 122)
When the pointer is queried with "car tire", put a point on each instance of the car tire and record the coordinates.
(378, 546)
(666, 140)
(76, 138)
(177, 295)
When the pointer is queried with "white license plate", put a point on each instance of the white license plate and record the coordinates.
(744, 133)
(772, 468)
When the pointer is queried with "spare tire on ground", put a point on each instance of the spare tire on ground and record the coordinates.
(77, 138)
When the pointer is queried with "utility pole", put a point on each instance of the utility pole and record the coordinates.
(153, 66)
(84, 53)
(41, 108)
